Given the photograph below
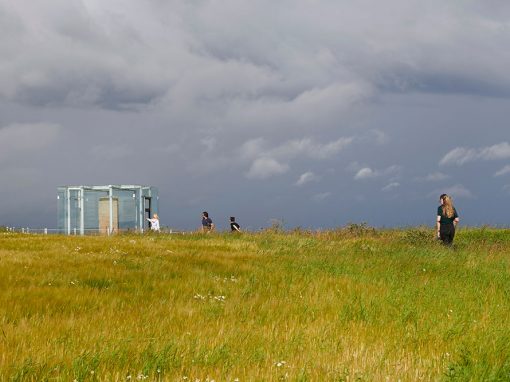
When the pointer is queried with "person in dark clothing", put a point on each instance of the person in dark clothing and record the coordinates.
(447, 220)
(234, 227)
(207, 223)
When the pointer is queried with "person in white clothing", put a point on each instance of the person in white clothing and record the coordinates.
(154, 222)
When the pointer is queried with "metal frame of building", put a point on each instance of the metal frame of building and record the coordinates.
(144, 192)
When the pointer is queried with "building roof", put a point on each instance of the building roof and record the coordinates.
(107, 187)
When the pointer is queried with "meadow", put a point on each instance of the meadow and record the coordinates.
(342, 305)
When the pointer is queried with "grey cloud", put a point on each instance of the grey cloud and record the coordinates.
(402, 46)
(390, 186)
(310, 148)
(70, 53)
(504, 171)
(267, 160)
(305, 178)
(321, 196)
(365, 173)
(379, 136)
(354, 166)
(24, 139)
(432, 177)
(263, 168)
(456, 191)
(463, 155)
(98, 54)
(369, 173)
(110, 152)
(209, 143)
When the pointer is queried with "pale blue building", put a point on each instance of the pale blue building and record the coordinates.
(105, 209)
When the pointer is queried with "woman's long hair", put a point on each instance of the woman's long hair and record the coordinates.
(448, 209)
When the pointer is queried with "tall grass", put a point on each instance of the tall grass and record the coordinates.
(351, 304)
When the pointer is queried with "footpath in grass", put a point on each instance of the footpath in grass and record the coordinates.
(350, 304)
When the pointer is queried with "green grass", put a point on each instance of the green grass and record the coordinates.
(350, 304)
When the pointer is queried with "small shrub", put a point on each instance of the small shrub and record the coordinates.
(359, 229)
(276, 226)
(418, 236)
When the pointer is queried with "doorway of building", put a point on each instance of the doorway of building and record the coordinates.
(147, 209)
(104, 215)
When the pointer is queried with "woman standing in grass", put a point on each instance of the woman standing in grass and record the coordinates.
(447, 220)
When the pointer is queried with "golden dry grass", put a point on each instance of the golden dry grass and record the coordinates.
(341, 305)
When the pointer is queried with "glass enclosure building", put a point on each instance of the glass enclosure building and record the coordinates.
(105, 209)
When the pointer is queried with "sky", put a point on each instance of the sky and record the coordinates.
(316, 113)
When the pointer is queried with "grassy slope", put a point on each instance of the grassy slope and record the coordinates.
(330, 306)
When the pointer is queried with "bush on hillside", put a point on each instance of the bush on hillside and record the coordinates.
(277, 226)
(359, 229)
(418, 236)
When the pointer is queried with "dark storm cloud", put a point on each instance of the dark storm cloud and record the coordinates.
(95, 53)
(292, 109)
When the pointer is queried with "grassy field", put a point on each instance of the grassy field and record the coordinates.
(351, 304)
